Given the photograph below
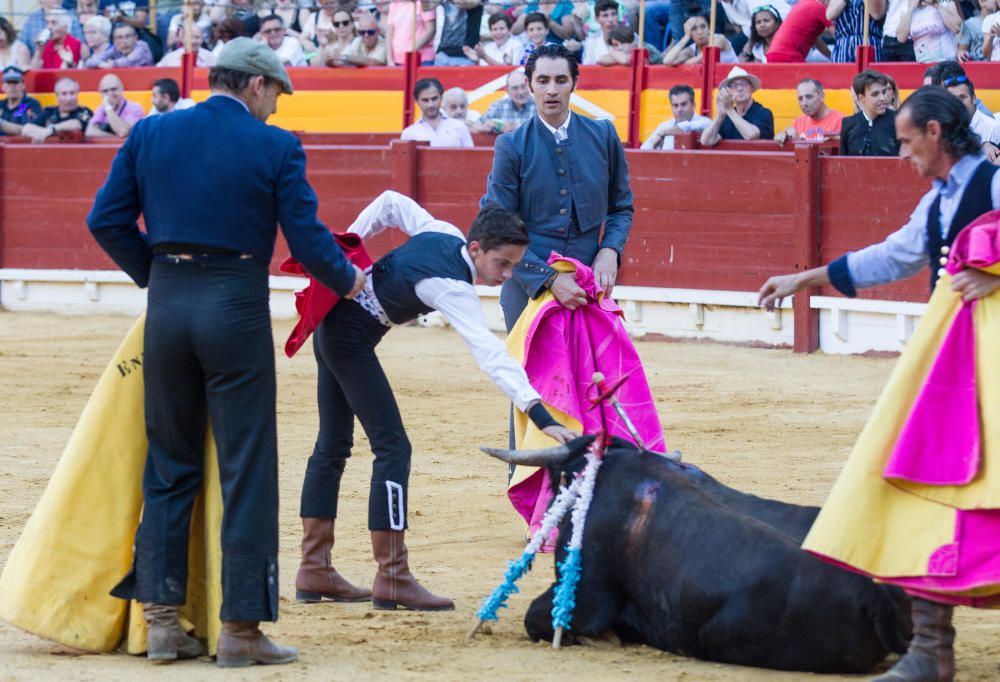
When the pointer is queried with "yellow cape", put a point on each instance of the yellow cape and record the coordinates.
(77, 545)
(891, 529)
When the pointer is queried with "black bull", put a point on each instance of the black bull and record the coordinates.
(676, 560)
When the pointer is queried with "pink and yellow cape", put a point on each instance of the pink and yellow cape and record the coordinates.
(918, 502)
(560, 351)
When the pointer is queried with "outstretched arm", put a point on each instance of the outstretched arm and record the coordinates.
(392, 209)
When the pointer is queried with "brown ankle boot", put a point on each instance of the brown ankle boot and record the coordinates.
(394, 584)
(166, 640)
(931, 656)
(317, 579)
(241, 643)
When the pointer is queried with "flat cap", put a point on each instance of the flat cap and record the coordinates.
(251, 56)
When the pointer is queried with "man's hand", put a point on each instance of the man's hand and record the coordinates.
(777, 288)
(359, 282)
(974, 284)
(786, 134)
(560, 433)
(724, 102)
(991, 152)
(567, 291)
(605, 269)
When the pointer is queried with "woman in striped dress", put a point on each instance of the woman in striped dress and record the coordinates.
(849, 16)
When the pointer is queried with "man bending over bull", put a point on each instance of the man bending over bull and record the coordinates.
(434, 270)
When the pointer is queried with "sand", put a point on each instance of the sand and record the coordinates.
(765, 421)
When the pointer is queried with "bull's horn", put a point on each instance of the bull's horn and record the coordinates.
(536, 458)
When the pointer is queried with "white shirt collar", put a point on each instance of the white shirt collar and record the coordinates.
(468, 261)
(564, 128)
(228, 96)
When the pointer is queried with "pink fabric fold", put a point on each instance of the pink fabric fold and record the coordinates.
(940, 442)
(977, 245)
(563, 349)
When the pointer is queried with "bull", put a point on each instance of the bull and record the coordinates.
(678, 561)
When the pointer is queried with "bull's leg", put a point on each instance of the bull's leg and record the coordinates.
(538, 620)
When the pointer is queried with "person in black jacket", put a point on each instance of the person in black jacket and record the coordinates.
(871, 131)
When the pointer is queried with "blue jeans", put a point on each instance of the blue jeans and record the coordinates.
(441, 59)
(657, 23)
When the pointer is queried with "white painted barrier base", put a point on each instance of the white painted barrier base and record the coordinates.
(846, 325)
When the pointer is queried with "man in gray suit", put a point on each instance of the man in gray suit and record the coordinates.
(566, 176)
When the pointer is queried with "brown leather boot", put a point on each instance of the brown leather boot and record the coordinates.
(931, 655)
(241, 643)
(166, 640)
(317, 579)
(394, 584)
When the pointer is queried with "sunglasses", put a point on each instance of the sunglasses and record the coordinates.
(367, 32)
(954, 80)
(341, 24)
(277, 29)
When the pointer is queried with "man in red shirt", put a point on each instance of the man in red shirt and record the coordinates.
(818, 122)
(61, 50)
(799, 32)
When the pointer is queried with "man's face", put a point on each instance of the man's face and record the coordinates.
(921, 148)
(810, 98)
(537, 31)
(14, 90)
(429, 101)
(263, 100)
(66, 95)
(608, 19)
(741, 90)
(496, 266)
(124, 38)
(517, 89)
(682, 106)
(961, 91)
(500, 32)
(56, 28)
(876, 99)
(456, 106)
(197, 37)
(93, 36)
(552, 85)
(274, 33)
(112, 90)
(161, 102)
(368, 30)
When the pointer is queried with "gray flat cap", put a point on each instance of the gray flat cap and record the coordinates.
(251, 56)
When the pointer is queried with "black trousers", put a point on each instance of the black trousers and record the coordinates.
(351, 382)
(208, 350)
(895, 51)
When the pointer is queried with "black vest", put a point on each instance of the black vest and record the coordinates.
(977, 199)
(396, 274)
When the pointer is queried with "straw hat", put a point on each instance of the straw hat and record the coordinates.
(739, 72)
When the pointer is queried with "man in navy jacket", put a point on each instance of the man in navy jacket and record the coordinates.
(566, 176)
(211, 221)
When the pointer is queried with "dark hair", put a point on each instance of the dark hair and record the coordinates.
(230, 25)
(9, 30)
(273, 17)
(681, 90)
(425, 83)
(955, 81)
(869, 77)
(231, 80)
(495, 227)
(603, 5)
(124, 25)
(498, 17)
(933, 103)
(552, 52)
(755, 37)
(535, 18)
(943, 71)
(623, 34)
(168, 86)
(813, 81)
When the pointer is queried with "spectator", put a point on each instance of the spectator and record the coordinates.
(849, 18)
(871, 131)
(622, 44)
(369, 48)
(18, 108)
(12, 51)
(288, 49)
(66, 116)
(503, 50)
(293, 17)
(55, 48)
(456, 106)
(536, 28)
(85, 10)
(510, 112)
(799, 33)
(97, 34)
(175, 24)
(125, 51)
(400, 29)
(243, 11)
(319, 24)
(115, 115)
(685, 119)
(333, 43)
(680, 11)
(460, 29)
(205, 57)
(971, 49)
(932, 26)
(227, 29)
(937, 74)
(134, 13)
(986, 127)
(689, 49)
(598, 44)
(558, 18)
(433, 126)
(36, 22)
(991, 29)
(738, 116)
(739, 13)
(818, 122)
(764, 25)
(167, 98)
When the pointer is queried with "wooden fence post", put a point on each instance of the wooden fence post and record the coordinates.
(807, 244)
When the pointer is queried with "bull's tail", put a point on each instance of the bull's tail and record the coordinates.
(889, 614)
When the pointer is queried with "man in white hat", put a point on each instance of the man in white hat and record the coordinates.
(737, 115)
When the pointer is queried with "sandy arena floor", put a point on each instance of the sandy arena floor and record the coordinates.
(768, 422)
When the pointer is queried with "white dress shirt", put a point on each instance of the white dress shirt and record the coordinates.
(986, 127)
(455, 299)
(562, 132)
(450, 132)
